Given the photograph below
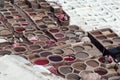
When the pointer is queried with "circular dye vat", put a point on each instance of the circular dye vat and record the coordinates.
(101, 71)
(69, 58)
(20, 49)
(58, 51)
(85, 72)
(65, 70)
(38, 32)
(51, 25)
(9, 17)
(42, 27)
(29, 10)
(34, 47)
(87, 46)
(82, 55)
(19, 29)
(70, 34)
(59, 35)
(92, 63)
(55, 58)
(78, 48)
(41, 62)
(7, 13)
(54, 30)
(43, 38)
(5, 32)
(11, 9)
(72, 76)
(45, 54)
(79, 66)
(74, 27)
(68, 51)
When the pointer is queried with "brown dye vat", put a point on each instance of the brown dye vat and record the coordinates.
(112, 35)
(116, 39)
(72, 76)
(45, 53)
(9, 17)
(60, 43)
(43, 38)
(11, 9)
(41, 14)
(101, 71)
(87, 46)
(8, 6)
(7, 13)
(96, 33)
(63, 70)
(44, 5)
(5, 32)
(5, 52)
(33, 56)
(92, 63)
(41, 43)
(20, 49)
(14, 13)
(3, 10)
(34, 47)
(77, 66)
(47, 20)
(107, 42)
(85, 72)
(58, 51)
(82, 55)
(51, 25)
(78, 48)
(68, 51)
(101, 37)
(74, 27)
(106, 31)
(22, 20)
(39, 22)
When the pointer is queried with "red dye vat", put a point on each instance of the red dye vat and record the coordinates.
(69, 58)
(20, 30)
(41, 62)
